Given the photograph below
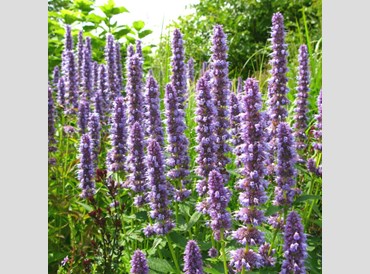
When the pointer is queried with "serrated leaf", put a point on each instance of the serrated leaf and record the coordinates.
(193, 219)
(144, 33)
(138, 25)
(160, 265)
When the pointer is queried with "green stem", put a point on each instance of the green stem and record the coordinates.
(273, 241)
(174, 258)
(223, 251)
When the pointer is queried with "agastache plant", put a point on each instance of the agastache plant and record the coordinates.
(153, 122)
(139, 50)
(80, 55)
(301, 110)
(51, 121)
(294, 245)
(285, 168)
(178, 160)
(68, 46)
(83, 115)
(119, 79)
(139, 264)
(86, 72)
(235, 111)
(206, 140)
(61, 92)
(220, 93)
(158, 196)
(193, 263)
(111, 66)
(178, 77)
(56, 76)
(116, 158)
(103, 91)
(191, 70)
(313, 165)
(86, 170)
(71, 83)
(94, 128)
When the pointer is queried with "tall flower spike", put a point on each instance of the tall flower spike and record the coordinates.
(68, 46)
(178, 160)
(178, 77)
(318, 125)
(193, 263)
(139, 50)
(87, 72)
(103, 92)
(71, 83)
(51, 120)
(220, 93)
(119, 80)
(110, 59)
(218, 199)
(205, 112)
(285, 169)
(204, 68)
(294, 245)
(153, 120)
(301, 110)
(134, 89)
(86, 170)
(191, 69)
(240, 93)
(116, 158)
(158, 195)
(61, 92)
(94, 132)
(139, 264)
(95, 77)
(247, 259)
(136, 162)
(236, 140)
(80, 55)
(99, 105)
(130, 51)
(56, 76)
(83, 115)
(277, 87)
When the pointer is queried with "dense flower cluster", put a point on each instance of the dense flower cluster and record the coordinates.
(111, 67)
(139, 264)
(235, 112)
(118, 75)
(80, 56)
(71, 82)
(159, 192)
(247, 259)
(220, 93)
(83, 115)
(94, 128)
(56, 76)
(86, 170)
(193, 263)
(103, 91)
(51, 120)
(191, 69)
(87, 70)
(318, 125)
(61, 92)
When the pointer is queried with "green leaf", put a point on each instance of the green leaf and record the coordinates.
(272, 209)
(212, 270)
(131, 39)
(121, 33)
(306, 197)
(138, 25)
(110, 9)
(69, 16)
(193, 219)
(84, 5)
(160, 265)
(93, 18)
(85, 206)
(88, 28)
(144, 33)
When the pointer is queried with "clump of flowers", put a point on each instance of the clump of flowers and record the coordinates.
(193, 263)
(139, 264)
(86, 170)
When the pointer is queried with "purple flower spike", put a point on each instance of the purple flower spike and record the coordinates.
(206, 148)
(134, 89)
(95, 77)
(318, 125)
(111, 63)
(193, 263)
(87, 72)
(61, 92)
(116, 158)
(99, 105)
(218, 199)
(178, 160)
(248, 236)
(56, 76)
(135, 159)
(213, 252)
(83, 115)
(191, 69)
(119, 80)
(267, 257)
(130, 51)
(301, 110)
(178, 77)
(139, 264)
(86, 170)
(204, 68)
(68, 41)
(220, 93)
(139, 50)
(235, 127)
(285, 169)
(153, 120)
(80, 55)
(94, 132)
(71, 83)
(103, 91)
(294, 245)
(158, 195)
(51, 120)
(241, 258)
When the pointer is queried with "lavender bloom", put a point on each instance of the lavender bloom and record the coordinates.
(206, 140)
(71, 83)
(277, 88)
(135, 160)
(212, 252)
(220, 92)
(235, 126)
(68, 46)
(248, 236)
(204, 68)
(110, 59)
(191, 69)
(80, 55)
(139, 264)
(247, 259)
(294, 245)
(87, 73)
(116, 157)
(285, 169)
(153, 120)
(311, 166)
(103, 91)
(158, 195)
(218, 199)
(99, 105)
(130, 51)
(193, 263)
(86, 170)
(318, 125)
(61, 92)
(51, 120)
(134, 89)
(56, 75)
(276, 221)
(95, 77)
(178, 77)
(94, 133)
(178, 160)
(267, 259)
(119, 79)
(139, 50)
(300, 117)
(83, 115)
